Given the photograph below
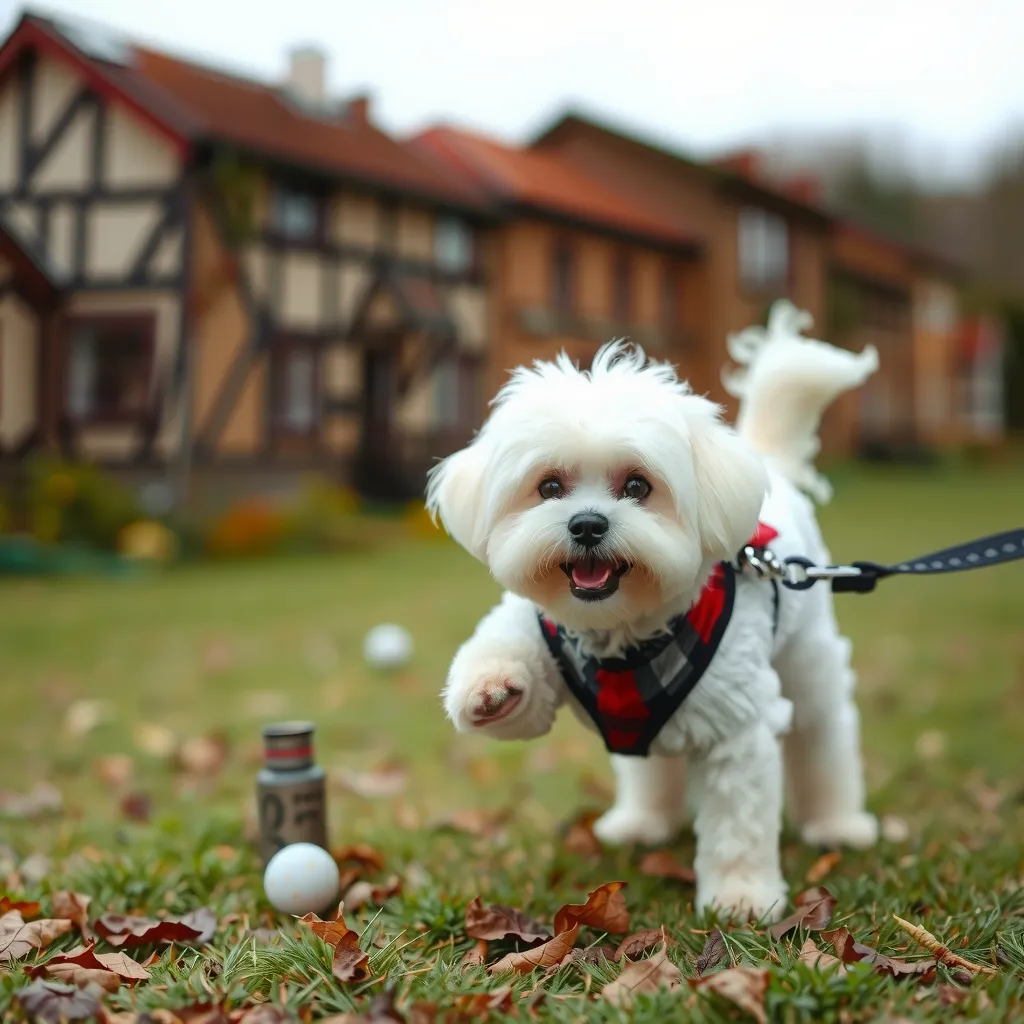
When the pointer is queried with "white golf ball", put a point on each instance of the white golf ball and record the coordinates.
(301, 878)
(388, 646)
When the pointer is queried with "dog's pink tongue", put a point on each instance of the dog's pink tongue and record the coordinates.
(591, 576)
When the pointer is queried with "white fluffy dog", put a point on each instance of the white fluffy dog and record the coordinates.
(611, 505)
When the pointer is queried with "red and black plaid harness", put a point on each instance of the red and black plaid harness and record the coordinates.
(630, 698)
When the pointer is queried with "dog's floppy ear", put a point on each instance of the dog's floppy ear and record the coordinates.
(731, 481)
(455, 496)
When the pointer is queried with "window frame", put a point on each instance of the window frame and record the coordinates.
(281, 193)
(145, 324)
(469, 264)
(754, 225)
(283, 351)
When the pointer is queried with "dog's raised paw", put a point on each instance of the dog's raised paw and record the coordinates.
(624, 825)
(858, 831)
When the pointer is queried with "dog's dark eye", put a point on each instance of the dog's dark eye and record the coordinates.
(550, 488)
(636, 487)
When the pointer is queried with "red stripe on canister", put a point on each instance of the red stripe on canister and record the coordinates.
(306, 751)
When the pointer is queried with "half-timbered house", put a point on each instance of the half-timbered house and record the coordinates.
(207, 276)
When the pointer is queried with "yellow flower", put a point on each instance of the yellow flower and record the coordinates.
(147, 541)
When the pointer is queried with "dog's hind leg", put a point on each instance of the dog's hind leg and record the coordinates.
(824, 772)
(649, 801)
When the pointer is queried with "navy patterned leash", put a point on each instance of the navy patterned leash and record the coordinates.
(798, 573)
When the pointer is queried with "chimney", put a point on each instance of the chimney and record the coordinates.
(358, 108)
(307, 72)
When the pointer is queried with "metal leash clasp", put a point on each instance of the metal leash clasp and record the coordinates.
(802, 573)
(764, 562)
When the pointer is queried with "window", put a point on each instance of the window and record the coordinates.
(295, 215)
(622, 281)
(453, 245)
(109, 368)
(456, 380)
(297, 390)
(763, 249)
(562, 277)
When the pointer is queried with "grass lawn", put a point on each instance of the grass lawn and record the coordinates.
(97, 676)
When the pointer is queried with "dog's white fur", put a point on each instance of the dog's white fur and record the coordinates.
(766, 700)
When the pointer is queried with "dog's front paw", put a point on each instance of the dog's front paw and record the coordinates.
(497, 697)
(744, 899)
(859, 831)
(623, 825)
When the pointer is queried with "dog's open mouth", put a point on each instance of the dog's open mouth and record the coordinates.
(594, 579)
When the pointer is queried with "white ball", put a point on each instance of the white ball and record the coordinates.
(301, 878)
(387, 646)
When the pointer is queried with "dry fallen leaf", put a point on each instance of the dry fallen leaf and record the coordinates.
(130, 930)
(364, 857)
(137, 806)
(203, 756)
(56, 1003)
(73, 907)
(27, 908)
(349, 962)
(713, 953)
(387, 780)
(661, 864)
(17, 938)
(637, 944)
(363, 893)
(154, 740)
(579, 836)
(497, 922)
(641, 976)
(114, 770)
(266, 1014)
(821, 961)
(547, 955)
(822, 866)
(477, 956)
(82, 966)
(605, 910)
(813, 911)
(744, 987)
(852, 952)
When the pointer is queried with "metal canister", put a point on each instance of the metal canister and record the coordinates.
(290, 790)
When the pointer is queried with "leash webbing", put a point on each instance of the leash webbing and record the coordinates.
(799, 573)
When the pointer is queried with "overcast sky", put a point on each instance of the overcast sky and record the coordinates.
(707, 75)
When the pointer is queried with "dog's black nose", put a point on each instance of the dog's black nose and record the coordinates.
(588, 528)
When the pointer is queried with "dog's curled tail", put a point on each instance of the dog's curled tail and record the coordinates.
(785, 382)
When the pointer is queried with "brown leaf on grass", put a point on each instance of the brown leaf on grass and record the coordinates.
(137, 806)
(266, 1014)
(744, 987)
(386, 780)
(638, 943)
(661, 864)
(203, 757)
(131, 930)
(349, 962)
(363, 857)
(851, 952)
(18, 938)
(819, 960)
(579, 837)
(73, 907)
(83, 965)
(496, 922)
(478, 1006)
(605, 910)
(27, 908)
(549, 954)
(477, 956)
(713, 953)
(813, 911)
(363, 893)
(474, 822)
(56, 1003)
(822, 866)
(114, 770)
(642, 976)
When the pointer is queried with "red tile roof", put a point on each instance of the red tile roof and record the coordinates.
(195, 103)
(545, 182)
